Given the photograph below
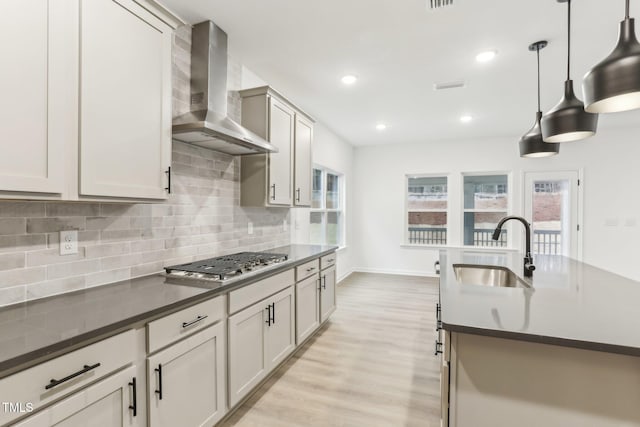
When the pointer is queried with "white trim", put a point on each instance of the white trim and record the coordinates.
(344, 277)
(508, 210)
(405, 190)
(416, 273)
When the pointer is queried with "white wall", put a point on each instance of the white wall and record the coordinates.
(332, 152)
(611, 177)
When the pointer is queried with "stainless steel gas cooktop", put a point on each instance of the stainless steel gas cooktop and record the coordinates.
(225, 268)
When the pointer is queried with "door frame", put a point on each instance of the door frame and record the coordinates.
(576, 253)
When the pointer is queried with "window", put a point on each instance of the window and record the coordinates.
(486, 201)
(426, 203)
(327, 208)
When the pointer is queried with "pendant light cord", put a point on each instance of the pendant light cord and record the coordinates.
(569, 39)
(538, 54)
(627, 10)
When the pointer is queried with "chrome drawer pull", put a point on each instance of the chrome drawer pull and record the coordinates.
(310, 269)
(193, 322)
(84, 370)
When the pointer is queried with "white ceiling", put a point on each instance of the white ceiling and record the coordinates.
(400, 48)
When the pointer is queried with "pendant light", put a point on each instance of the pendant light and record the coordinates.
(614, 84)
(568, 121)
(531, 143)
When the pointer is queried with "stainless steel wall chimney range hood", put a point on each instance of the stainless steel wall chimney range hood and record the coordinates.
(207, 124)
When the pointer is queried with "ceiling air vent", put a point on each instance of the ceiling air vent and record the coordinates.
(448, 85)
(437, 4)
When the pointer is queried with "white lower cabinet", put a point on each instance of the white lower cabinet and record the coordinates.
(187, 382)
(260, 337)
(327, 293)
(307, 307)
(111, 402)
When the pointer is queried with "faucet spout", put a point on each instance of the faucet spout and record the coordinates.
(528, 259)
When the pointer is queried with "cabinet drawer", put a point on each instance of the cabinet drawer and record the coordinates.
(173, 327)
(327, 261)
(307, 269)
(58, 377)
(244, 297)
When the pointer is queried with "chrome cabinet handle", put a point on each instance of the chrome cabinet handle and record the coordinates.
(193, 322)
(273, 187)
(298, 195)
(268, 321)
(84, 370)
(310, 269)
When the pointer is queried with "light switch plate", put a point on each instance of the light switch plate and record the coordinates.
(68, 242)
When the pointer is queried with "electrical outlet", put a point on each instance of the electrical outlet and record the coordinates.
(250, 228)
(68, 242)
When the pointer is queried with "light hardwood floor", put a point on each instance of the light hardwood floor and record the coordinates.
(371, 365)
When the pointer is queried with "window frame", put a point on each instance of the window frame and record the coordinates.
(508, 211)
(408, 176)
(324, 211)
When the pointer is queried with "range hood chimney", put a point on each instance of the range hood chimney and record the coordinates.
(207, 124)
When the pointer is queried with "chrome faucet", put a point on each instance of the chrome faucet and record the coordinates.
(528, 259)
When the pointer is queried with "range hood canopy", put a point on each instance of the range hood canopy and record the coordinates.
(207, 124)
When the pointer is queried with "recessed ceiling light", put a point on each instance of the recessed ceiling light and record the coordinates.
(466, 118)
(381, 126)
(349, 79)
(486, 56)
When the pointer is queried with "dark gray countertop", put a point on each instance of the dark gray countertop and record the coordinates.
(31, 331)
(570, 303)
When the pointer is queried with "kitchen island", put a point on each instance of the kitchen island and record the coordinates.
(561, 349)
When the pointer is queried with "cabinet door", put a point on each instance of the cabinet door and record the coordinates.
(281, 339)
(307, 307)
(247, 350)
(302, 164)
(32, 101)
(281, 124)
(187, 381)
(125, 100)
(327, 293)
(109, 403)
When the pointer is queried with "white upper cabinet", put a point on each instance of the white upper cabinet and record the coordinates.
(85, 111)
(125, 101)
(281, 124)
(302, 163)
(33, 126)
(282, 178)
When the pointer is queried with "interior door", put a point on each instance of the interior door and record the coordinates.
(247, 350)
(327, 293)
(125, 100)
(302, 164)
(281, 332)
(187, 381)
(33, 119)
(552, 205)
(109, 403)
(281, 125)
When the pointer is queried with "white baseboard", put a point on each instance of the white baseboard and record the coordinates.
(344, 276)
(396, 272)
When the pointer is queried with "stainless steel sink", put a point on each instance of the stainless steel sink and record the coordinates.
(487, 275)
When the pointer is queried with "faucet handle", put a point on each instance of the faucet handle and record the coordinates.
(529, 266)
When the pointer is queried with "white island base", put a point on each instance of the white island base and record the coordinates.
(495, 382)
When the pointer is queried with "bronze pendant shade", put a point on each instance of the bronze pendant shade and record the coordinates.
(531, 143)
(568, 121)
(614, 84)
